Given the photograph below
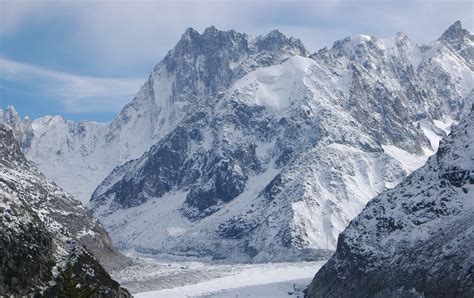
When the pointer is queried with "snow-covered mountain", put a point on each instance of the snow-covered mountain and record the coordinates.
(183, 77)
(275, 163)
(416, 239)
(260, 150)
(42, 229)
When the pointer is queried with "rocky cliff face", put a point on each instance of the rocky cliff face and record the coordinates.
(43, 228)
(273, 162)
(414, 240)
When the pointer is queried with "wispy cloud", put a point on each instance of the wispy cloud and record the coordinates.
(127, 37)
(76, 93)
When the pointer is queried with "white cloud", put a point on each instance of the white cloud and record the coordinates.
(76, 93)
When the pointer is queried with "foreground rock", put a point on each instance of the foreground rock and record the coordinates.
(416, 239)
(43, 231)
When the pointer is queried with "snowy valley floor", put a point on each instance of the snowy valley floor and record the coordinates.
(158, 278)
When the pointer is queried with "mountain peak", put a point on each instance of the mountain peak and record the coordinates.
(11, 109)
(11, 113)
(10, 116)
(190, 33)
(455, 33)
(275, 34)
(210, 30)
(275, 40)
(400, 35)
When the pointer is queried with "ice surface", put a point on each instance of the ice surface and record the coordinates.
(194, 279)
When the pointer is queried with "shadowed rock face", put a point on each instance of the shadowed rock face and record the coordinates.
(27, 250)
(416, 239)
(42, 228)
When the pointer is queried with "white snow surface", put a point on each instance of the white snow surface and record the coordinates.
(159, 278)
(277, 86)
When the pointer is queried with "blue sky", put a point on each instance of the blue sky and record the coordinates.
(85, 59)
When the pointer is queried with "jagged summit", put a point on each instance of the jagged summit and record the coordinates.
(190, 32)
(461, 40)
(275, 40)
(10, 113)
(212, 30)
(272, 41)
(21, 127)
(455, 33)
(204, 63)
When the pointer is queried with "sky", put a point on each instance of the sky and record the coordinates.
(86, 59)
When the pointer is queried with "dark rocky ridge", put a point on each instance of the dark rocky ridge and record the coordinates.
(27, 251)
(414, 240)
(42, 228)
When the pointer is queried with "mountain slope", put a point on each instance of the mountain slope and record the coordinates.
(415, 239)
(276, 164)
(43, 228)
(198, 65)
